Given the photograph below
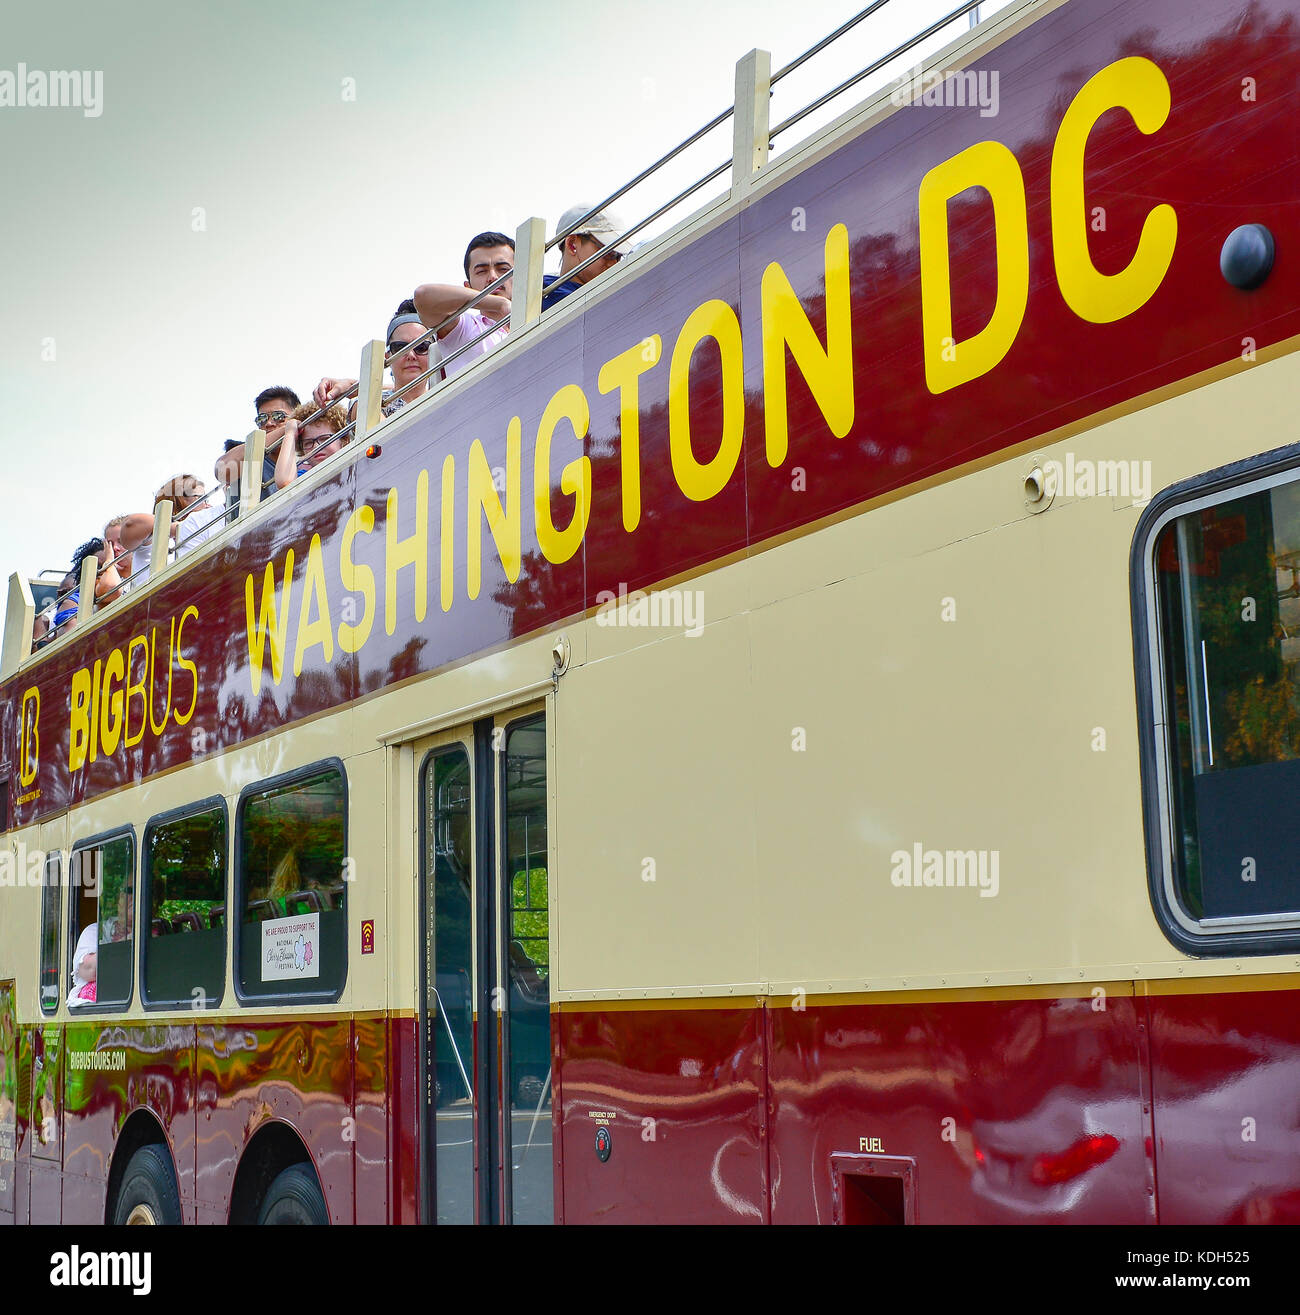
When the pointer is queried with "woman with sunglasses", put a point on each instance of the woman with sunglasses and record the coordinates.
(405, 327)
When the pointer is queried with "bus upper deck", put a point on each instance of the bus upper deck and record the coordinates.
(834, 850)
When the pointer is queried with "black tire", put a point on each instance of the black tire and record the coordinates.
(294, 1197)
(148, 1192)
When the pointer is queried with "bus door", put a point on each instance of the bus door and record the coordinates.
(485, 1037)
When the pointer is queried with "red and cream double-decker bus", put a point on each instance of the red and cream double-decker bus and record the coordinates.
(800, 732)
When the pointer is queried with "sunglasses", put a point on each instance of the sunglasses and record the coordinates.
(610, 253)
(264, 418)
(420, 349)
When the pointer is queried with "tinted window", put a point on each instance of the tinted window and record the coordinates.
(1228, 613)
(293, 919)
(51, 884)
(185, 896)
(101, 928)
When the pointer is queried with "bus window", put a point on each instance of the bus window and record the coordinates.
(101, 928)
(50, 886)
(184, 886)
(292, 932)
(1227, 607)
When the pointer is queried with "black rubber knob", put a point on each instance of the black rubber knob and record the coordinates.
(1247, 256)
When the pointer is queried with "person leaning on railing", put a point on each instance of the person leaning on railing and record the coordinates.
(65, 608)
(194, 521)
(307, 442)
(598, 233)
(487, 258)
(108, 583)
(272, 407)
(405, 327)
(122, 559)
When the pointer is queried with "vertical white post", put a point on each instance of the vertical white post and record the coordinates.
(751, 122)
(530, 256)
(20, 621)
(250, 476)
(86, 598)
(162, 534)
(370, 392)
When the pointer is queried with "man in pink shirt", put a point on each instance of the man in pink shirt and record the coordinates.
(488, 256)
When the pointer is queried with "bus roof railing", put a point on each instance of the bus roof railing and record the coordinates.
(751, 141)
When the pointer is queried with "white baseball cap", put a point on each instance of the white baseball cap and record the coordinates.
(603, 226)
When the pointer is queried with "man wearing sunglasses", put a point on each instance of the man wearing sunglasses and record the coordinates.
(600, 232)
(271, 408)
(487, 258)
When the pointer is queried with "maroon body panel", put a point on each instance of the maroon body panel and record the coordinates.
(403, 1121)
(681, 1094)
(1226, 1081)
(1011, 1111)
(1008, 1110)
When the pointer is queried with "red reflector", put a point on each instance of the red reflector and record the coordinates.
(374, 450)
(1085, 1154)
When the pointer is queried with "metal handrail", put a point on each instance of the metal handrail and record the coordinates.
(826, 41)
(874, 67)
(353, 392)
(663, 209)
(717, 121)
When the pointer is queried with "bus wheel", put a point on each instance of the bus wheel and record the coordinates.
(148, 1193)
(294, 1198)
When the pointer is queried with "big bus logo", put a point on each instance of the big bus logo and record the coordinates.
(29, 736)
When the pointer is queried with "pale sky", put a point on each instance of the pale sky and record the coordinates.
(233, 219)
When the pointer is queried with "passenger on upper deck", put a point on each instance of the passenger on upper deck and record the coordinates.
(597, 234)
(403, 328)
(42, 625)
(121, 556)
(65, 608)
(488, 256)
(307, 443)
(273, 406)
(108, 583)
(194, 521)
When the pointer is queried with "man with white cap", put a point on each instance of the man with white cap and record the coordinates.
(600, 232)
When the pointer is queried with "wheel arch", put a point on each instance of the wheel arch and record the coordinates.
(273, 1147)
(142, 1128)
